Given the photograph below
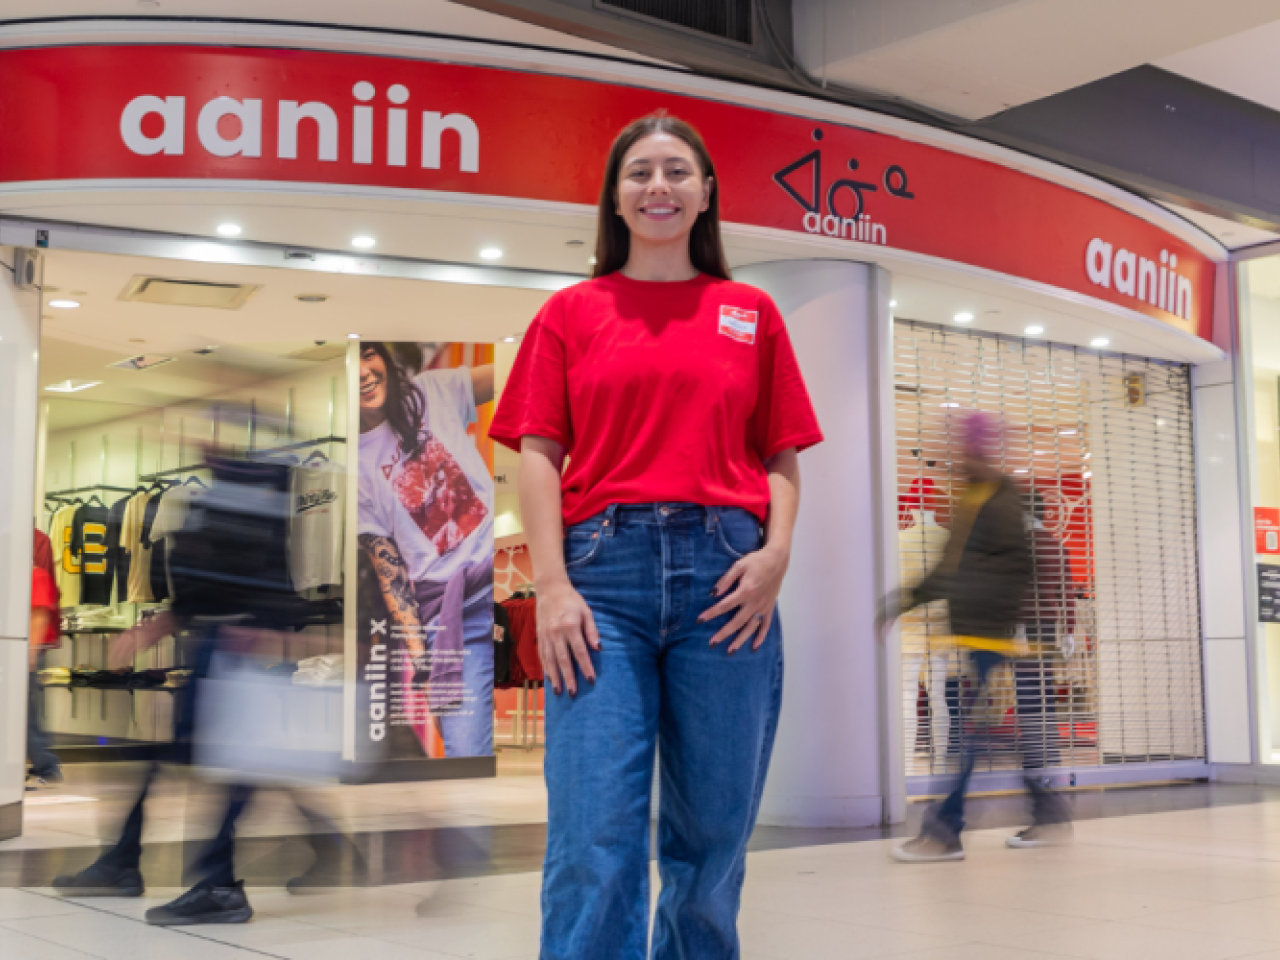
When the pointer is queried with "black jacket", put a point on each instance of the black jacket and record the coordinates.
(987, 569)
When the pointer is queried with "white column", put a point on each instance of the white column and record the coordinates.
(838, 759)
(19, 347)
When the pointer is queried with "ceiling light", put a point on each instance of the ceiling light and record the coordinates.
(353, 336)
(229, 229)
(893, 303)
(362, 242)
(964, 318)
(72, 386)
(1099, 342)
(491, 253)
(1034, 330)
(64, 304)
(508, 339)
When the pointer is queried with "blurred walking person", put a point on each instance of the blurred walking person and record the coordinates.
(984, 575)
(45, 768)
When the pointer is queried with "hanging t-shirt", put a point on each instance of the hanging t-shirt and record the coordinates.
(315, 524)
(438, 506)
(159, 567)
(117, 558)
(67, 563)
(171, 511)
(659, 392)
(89, 543)
(139, 556)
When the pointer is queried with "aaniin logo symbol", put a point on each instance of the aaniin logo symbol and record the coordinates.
(171, 140)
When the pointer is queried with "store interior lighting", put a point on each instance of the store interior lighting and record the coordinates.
(491, 253)
(72, 386)
(64, 304)
(229, 229)
(1034, 330)
(363, 243)
(963, 317)
(1099, 342)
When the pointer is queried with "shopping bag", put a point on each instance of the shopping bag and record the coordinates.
(261, 728)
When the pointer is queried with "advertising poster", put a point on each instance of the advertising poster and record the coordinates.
(426, 551)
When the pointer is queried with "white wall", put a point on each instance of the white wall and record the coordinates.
(19, 346)
(838, 751)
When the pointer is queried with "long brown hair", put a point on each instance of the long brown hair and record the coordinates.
(613, 236)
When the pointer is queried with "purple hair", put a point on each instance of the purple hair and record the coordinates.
(978, 432)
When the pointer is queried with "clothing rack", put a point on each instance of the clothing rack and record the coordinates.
(59, 494)
(191, 468)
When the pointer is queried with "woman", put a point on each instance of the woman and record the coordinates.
(426, 526)
(678, 397)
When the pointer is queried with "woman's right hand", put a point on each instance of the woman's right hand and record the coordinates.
(566, 629)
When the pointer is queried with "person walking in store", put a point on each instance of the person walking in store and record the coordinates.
(45, 767)
(229, 568)
(984, 575)
(425, 525)
(658, 556)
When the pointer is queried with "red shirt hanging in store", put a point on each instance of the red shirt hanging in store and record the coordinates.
(156, 113)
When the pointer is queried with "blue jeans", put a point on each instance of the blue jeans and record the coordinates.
(647, 572)
(44, 762)
(469, 732)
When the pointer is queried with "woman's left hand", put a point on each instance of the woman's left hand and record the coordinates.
(758, 579)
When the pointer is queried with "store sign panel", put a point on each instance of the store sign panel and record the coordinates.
(1266, 530)
(163, 112)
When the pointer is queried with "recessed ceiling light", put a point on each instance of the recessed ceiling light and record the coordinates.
(353, 336)
(491, 253)
(508, 339)
(964, 318)
(1034, 330)
(363, 242)
(312, 297)
(893, 303)
(1099, 342)
(72, 386)
(229, 229)
(64, 304)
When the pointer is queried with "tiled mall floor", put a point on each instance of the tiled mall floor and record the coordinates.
(1198, 884)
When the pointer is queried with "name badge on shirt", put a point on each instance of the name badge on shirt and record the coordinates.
(738, 324)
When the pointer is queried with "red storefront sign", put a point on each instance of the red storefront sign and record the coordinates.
(1266, 530)
(158, 113)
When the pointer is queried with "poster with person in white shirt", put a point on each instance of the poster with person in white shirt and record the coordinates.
(426, 551)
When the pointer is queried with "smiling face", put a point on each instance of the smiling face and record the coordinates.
(661, 189)
(373, 380)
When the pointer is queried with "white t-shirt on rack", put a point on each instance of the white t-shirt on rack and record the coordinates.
(315, 524)
(438, 507)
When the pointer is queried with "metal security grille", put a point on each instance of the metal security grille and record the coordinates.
(1100, 446)
(730, 19)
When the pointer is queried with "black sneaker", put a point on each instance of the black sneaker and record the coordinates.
(204, 903)
(101, 880)
(36, 781)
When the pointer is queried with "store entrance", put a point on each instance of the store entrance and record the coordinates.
(149, 365)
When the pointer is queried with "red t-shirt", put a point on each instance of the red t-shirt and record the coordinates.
(659, 392)
(44, 596)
